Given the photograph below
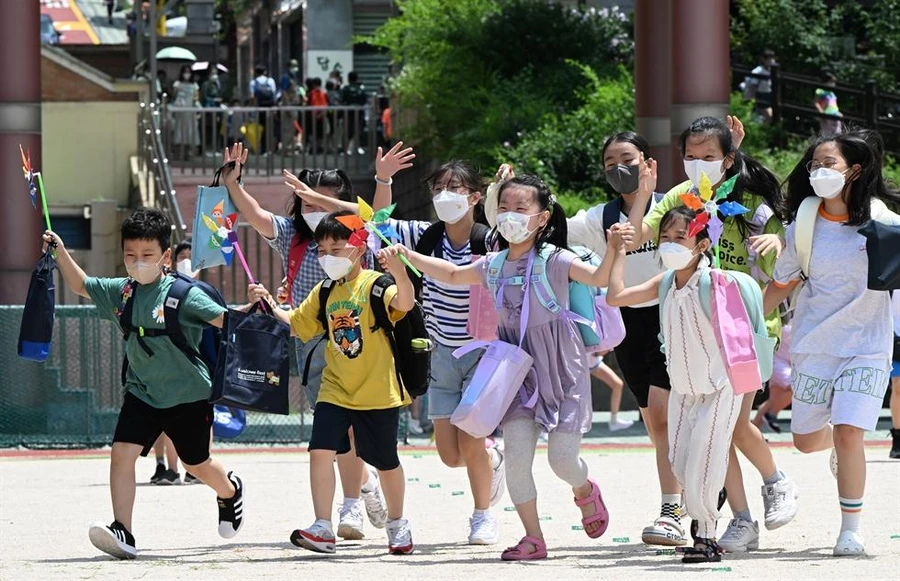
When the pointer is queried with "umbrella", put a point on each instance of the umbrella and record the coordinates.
(204, 65)
(175, 53)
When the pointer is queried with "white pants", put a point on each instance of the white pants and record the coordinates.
(700, 430)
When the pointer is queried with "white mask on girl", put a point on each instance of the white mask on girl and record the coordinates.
(312, 219)
(450, 207)
(674, 256)
(694, 168)
(513, 226)
(826, 182)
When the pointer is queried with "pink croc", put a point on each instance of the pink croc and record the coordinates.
(600, 515)
(521, 552)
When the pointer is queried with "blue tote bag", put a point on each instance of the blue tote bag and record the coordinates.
(215, 216)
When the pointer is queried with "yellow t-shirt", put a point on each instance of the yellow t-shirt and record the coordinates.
(359, 366)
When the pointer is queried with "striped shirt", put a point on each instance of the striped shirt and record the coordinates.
(446, 306)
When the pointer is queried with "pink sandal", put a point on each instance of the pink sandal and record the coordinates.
(600, 515)
(521, 553)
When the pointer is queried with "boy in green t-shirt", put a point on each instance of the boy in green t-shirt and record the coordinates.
(165, 391)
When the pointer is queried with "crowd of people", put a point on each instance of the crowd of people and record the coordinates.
(798, 276)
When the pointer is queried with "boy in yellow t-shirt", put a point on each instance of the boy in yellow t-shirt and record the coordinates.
(360, 389)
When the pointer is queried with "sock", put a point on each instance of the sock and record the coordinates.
(851, 511)
(495, 458)
(743, 515)
(671, 503)
(161, 461)
(779, 475)
(324, 523)
(477, 513)
(370, 483)
(613, 418)
(350, 502)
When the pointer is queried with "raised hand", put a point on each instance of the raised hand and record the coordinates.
(736, 128)
(396, 159)
(647, 177)
(257, 292)
(238, 155)
(295, 184)
(766, 243)
(620, 235)
(504, 172)
(52, 239)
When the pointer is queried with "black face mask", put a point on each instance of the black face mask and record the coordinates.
(624, 178)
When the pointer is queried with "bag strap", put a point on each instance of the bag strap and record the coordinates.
(383, 321)
(295, 259)
(478, 239)
(611, 212)
(324, 292)
(803, 231)
(429, 243)
(216, 176)
(178, 292)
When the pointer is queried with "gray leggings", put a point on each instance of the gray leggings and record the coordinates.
(520, 437)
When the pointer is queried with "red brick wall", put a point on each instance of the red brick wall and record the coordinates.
(60, 84)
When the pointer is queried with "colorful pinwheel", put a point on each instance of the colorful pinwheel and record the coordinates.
(711, 206)
(30, 176)
(376, 222)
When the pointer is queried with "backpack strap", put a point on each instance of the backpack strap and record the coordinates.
(478, 239)
(383, 322)
(295, 258)
(665, 284)
(538, 276)
(324, 292)
(430, 242)
(181, 286)
(494, 269)
(803, 231)
(611, 212)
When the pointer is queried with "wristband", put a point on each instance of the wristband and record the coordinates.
(387, 182)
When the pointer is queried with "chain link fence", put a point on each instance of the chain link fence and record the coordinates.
(72, 400)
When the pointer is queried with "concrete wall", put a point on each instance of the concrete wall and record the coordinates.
(86, 147)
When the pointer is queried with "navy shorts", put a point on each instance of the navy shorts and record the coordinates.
(187, 425)
(375, 433)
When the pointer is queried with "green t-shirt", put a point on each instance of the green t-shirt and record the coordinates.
(733, 247)
(169, 377)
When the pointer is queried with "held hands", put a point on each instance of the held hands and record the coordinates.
(736, 128)
(766, 243)
(620, 236)
(238, 155)
(389, 258)
(396, 159)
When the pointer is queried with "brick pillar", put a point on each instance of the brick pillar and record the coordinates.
(20, 122)
(701, 69)
(653, 82)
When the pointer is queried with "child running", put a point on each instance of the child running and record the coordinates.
(530, 221)
(360, 389)
(703, 407)
(165, 390)
(457, 237)
(842, 331)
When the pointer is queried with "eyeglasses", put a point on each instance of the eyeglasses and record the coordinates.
(454, 187)
(829, 163)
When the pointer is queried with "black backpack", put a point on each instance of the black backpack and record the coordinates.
(413, 365)
(613, 208)
(208, 349)
(431, 244)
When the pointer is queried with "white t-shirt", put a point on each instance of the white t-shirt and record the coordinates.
(762, 85)
(586, 229)
(836, 313)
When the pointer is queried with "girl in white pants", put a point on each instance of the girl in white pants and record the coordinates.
(703, 408)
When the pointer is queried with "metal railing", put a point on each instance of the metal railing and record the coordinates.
(278, 138)
(154, 168)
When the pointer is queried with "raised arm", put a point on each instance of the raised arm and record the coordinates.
(646, 186)
(387, 165)
(619, 296)
(620, 234)
(405, 298)
(72, 274)
(260, 219)
(436, 268)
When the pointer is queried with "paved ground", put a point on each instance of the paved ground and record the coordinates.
(46, 504)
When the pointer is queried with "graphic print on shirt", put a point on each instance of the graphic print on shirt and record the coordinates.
(346, 334)
(158, 314)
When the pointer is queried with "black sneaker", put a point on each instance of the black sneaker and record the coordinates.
(169, 478)
(113, 540)
(191, 479)
(895, 447)
(160, 472)
(231, 510)
(772, 422)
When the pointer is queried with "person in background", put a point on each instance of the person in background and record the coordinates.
(110, 8)
(604, 373)
(780, 393)
(826, 104)
(354, 93)
(759, 88)
(187, 95)
(263, 93)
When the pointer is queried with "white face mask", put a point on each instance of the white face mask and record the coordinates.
(450, 207)
(674, 256)
(826, 182)
(335, 267)
(144, 272)
(312, 219)
(184, 266)
(694, 168)
(513, 226)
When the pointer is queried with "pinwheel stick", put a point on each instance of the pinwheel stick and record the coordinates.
(40, 180)
(403, 259)
(716, 255)
(233, 238)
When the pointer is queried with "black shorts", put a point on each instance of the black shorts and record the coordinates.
(639, 357)
(186, 424)
(375, 432)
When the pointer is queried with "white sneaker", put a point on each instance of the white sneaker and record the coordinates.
(849, 544)
(740, 536)
(832, 462)
(350, 525)
(664, 531)
(498, 479)
(399, 537)
(376, 509)
(414, 427)
(619, 425)
(318, 538)
(780, 500)
(483, 530)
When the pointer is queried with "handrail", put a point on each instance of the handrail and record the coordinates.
(155, 163)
